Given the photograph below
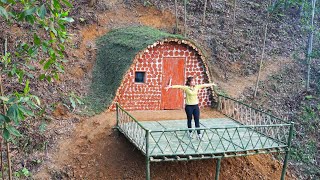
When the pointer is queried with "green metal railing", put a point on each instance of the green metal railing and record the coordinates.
(255, 132)
(131, 128)
(248, 115)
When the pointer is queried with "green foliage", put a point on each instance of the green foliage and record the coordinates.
(309, 114)
(74, 101)
(42, 127)
(147, 3)
(47, 27)
(24, 172)
(281, 8)
(305, 147)
(116, 52)
(20, 106)
(309, 97)
(53, 21)
(305, 152)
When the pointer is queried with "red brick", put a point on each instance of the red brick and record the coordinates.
(133, 96)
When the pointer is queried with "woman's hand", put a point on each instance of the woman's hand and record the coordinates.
(169, 85)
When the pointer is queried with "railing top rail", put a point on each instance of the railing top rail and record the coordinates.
(134, 119)
(228, 127)
(255, 109)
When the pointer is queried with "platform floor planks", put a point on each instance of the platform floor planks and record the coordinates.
(214, 141)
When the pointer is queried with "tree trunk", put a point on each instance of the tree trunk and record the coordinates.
(310, 45)
(4, 110)
(234, 15)
(1, 158)
(262, 55)
(185, 18)
(176, 13)
(204, 12)
(9, 160)
(261, 60)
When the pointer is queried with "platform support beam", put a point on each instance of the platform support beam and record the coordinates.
(147, 156)
(218, 168)
(148, 170)
(285, 163)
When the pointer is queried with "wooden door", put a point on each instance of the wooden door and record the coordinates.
(173, 68)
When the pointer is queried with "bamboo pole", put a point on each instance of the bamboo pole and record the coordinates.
(204, 12)
(234, 15)
(261, 60)
(185, 18)
(9, 160)
(176, 13)
(5, 109)
(262, 56)
(310, 46)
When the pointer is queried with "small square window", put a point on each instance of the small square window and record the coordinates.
(140, 77)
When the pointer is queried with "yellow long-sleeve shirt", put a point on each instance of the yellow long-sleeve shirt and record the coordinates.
(192, 92)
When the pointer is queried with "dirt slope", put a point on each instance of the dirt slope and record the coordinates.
(236, 85)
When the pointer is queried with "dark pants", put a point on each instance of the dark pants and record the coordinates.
(195, 111)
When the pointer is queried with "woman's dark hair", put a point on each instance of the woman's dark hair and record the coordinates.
(189, 79)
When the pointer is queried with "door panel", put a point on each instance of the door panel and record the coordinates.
(173, 68)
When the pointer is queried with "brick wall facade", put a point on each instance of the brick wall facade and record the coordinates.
(147, 96)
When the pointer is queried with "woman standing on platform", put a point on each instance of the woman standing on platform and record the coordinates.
(192, 101)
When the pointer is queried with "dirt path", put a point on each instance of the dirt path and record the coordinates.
(236, 85)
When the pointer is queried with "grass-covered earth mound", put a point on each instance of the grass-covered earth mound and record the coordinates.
(116, 52)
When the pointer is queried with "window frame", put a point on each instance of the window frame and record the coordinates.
(144, 77)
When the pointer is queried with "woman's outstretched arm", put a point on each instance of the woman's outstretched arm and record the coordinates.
(175, 87)
(207, 85)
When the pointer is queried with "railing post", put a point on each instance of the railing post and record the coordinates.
(147, 156)
(117, 117)
(285, 163)
(218, 168)
(219, 102)
(117, 111)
